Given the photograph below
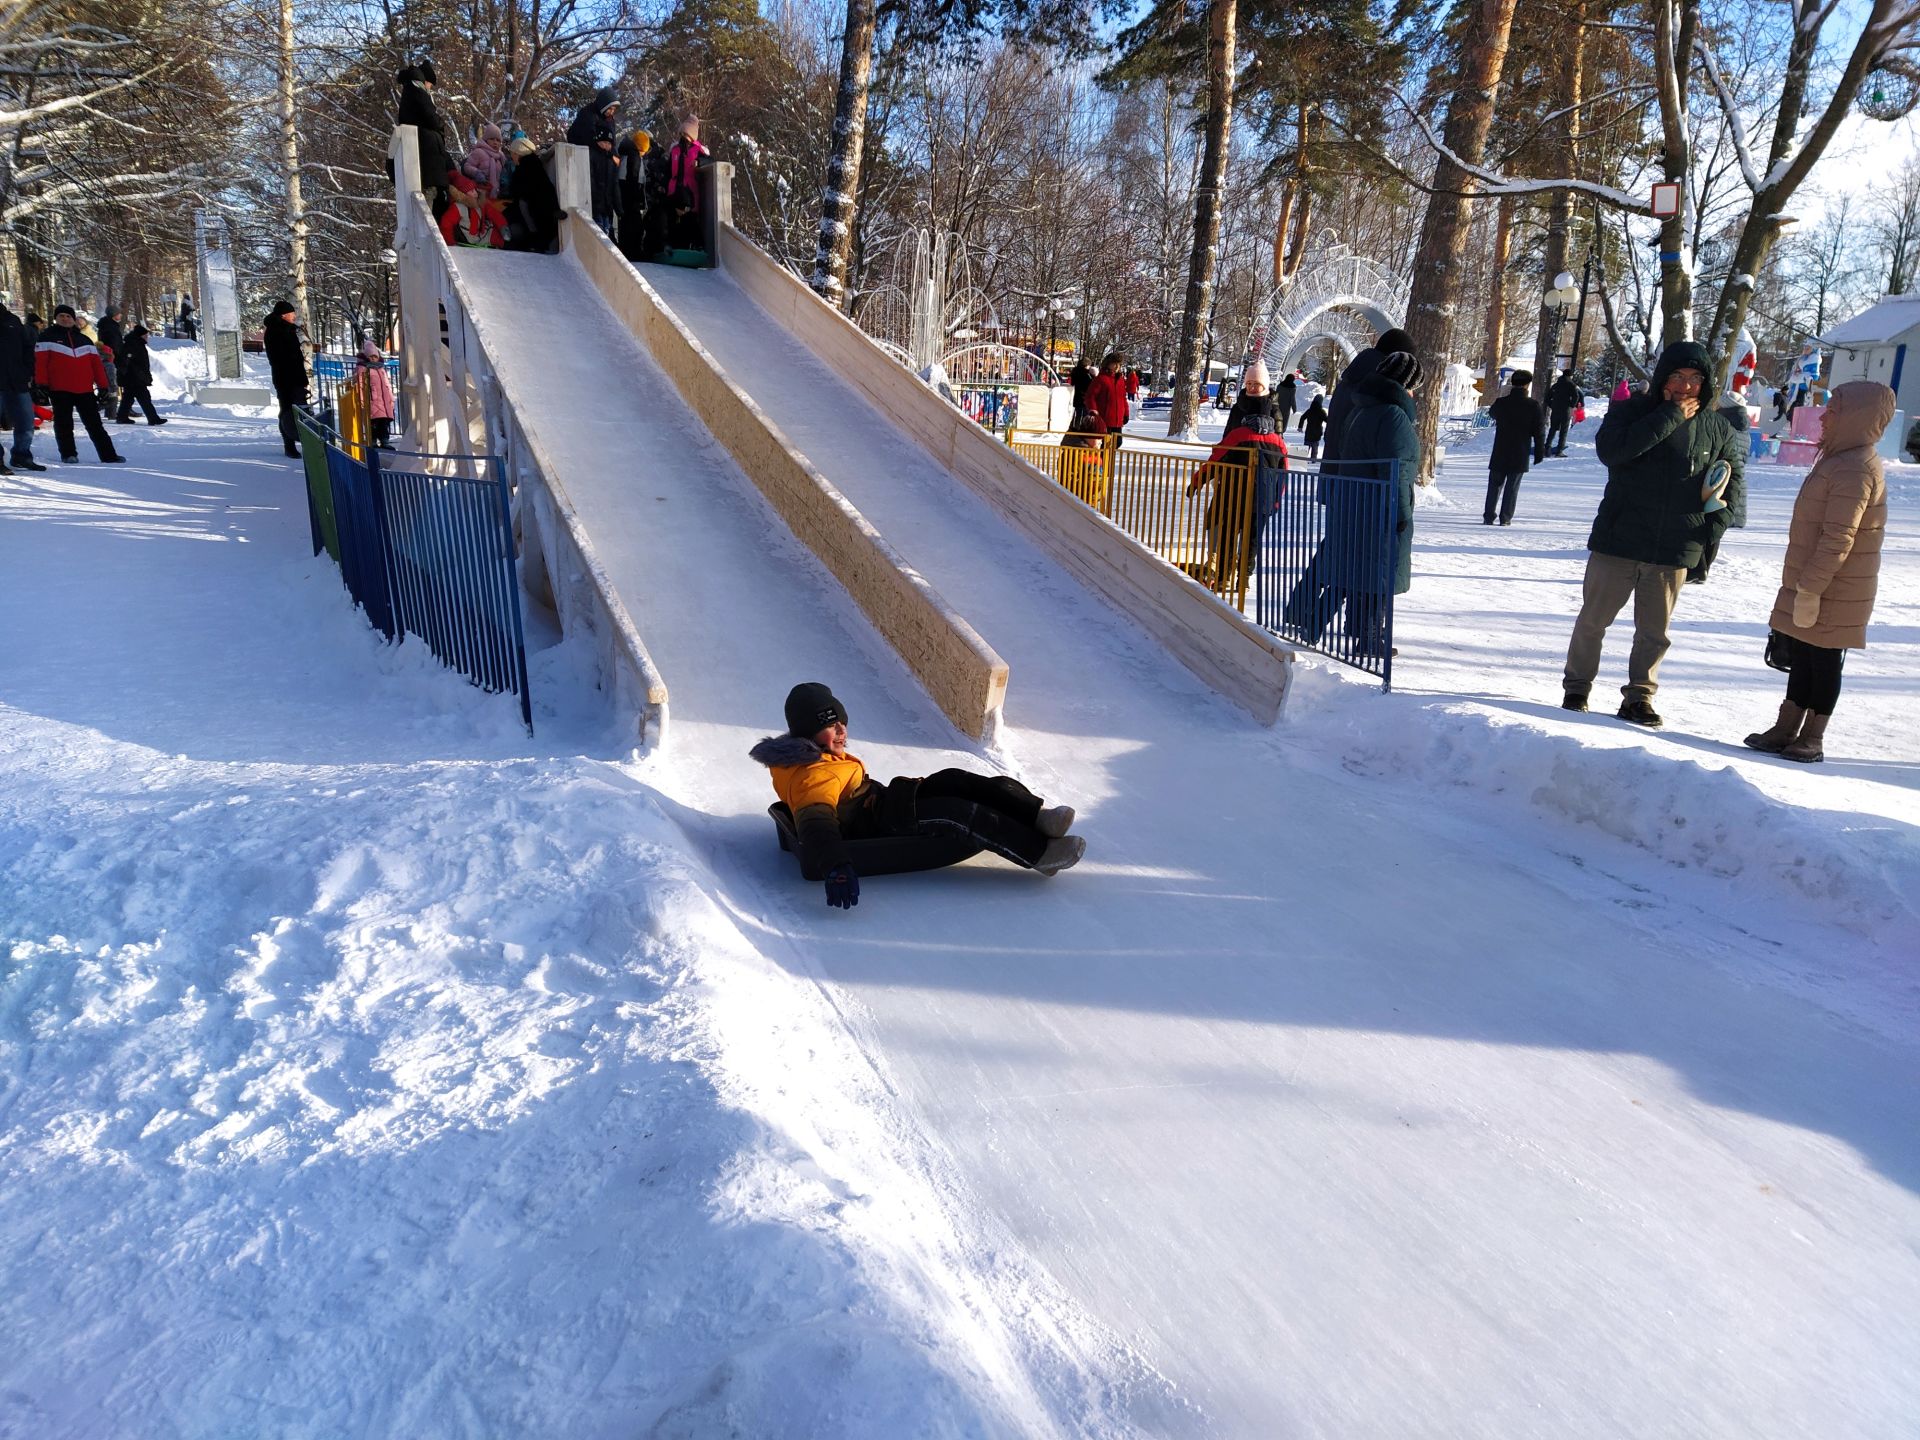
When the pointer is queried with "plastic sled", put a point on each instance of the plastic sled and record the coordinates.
(889, 855)
(691, 259)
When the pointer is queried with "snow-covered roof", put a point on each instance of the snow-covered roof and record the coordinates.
(1884, 320)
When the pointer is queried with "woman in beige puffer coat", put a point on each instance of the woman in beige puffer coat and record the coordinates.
(1833, 566)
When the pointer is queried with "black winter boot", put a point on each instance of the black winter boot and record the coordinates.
(1806, 747)
(1640, 712)
(1774, 739)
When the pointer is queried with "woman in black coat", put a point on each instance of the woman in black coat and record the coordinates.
(533, 205)
(416, 109)
(288, 362)
(136, 376)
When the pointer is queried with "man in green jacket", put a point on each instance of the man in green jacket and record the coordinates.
(1653, 523)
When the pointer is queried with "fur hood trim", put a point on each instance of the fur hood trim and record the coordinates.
(779, 751)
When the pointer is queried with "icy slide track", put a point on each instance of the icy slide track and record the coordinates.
(1390, 1124)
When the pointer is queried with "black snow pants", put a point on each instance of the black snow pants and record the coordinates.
(996, 810)
(64, 404)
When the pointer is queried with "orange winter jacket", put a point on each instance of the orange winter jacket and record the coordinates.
(825, 781)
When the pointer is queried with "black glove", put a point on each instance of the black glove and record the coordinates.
(42, 395)
(843, 887)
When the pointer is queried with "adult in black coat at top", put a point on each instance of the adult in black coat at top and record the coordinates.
(593, 127)
(288, 361)
(16, 387)
(533, 205)
(1519, 441)
(1562, 396)
(416, 109)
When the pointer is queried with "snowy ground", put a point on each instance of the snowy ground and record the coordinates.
(1434, 1065)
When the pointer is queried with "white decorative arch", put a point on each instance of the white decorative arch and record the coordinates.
(1335, 291)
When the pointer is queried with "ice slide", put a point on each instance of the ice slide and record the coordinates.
(1393, 1122)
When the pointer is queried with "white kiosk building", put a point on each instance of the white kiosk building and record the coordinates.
(1882, 343)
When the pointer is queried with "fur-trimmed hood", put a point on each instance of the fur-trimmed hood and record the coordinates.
(779, 751)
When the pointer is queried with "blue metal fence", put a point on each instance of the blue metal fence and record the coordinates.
(425, 554)
(1324, 562)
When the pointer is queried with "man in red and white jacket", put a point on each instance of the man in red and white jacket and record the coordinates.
(68, 366)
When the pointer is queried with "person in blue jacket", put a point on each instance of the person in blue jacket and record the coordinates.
(1384, 446)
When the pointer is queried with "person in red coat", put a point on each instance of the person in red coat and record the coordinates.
(471, 219)
(1107, 395)
(68, 366)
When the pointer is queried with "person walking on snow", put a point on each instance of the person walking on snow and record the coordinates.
(1832, 569)
(136, 379)
(67, 365)
(1313, 425)
(17, 342)
(1285, 396)
(1359, 369)
(1562, 397)
(833, 800)
(287, 360)
(110, 333)
(1383, 445)
(1519, 440)
(1654, 522)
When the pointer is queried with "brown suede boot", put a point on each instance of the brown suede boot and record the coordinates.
(1774, 739)
(1807, 749)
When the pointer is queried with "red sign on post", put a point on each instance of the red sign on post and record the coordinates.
(1666, 199)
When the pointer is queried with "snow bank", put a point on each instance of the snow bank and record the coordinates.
(1856, 871)
(367, 1069)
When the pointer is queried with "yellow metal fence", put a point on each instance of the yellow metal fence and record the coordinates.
(1196, 515)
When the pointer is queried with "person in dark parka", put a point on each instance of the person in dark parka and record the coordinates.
(416, 109)
(1519, 440)
(533, 205)
(288, 361)
(111, 335)
(832, 800)
(1313, 425)
(1653, 524)
(1286, 397)
(1312, 601)
(136, 378)
(593, 127)
(1383, 444)
(1562, 396)
(632, 154)
(17, 343)
(1358, 369)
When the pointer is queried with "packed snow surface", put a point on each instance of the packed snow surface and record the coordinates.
(1434, 1064)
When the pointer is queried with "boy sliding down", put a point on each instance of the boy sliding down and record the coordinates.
(833, 801)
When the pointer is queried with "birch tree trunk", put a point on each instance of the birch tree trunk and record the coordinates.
(838, 202)
(1435, 296)
(290, 163)
(1222, 18)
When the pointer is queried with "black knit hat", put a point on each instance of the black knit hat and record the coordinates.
(60, 310)
(1522, 379)
(423, 70)
(285, 307)
(1400, 369)
(811, 708)
(1392, 340)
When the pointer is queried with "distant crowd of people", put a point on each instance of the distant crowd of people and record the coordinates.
(51, 373)
(501, 194)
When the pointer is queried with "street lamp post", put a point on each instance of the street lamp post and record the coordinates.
(1563, 294)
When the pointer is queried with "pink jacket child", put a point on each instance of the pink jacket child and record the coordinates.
(683, 166)
(484, 162)
(378, 389)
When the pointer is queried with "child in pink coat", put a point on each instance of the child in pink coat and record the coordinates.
(377, 390)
